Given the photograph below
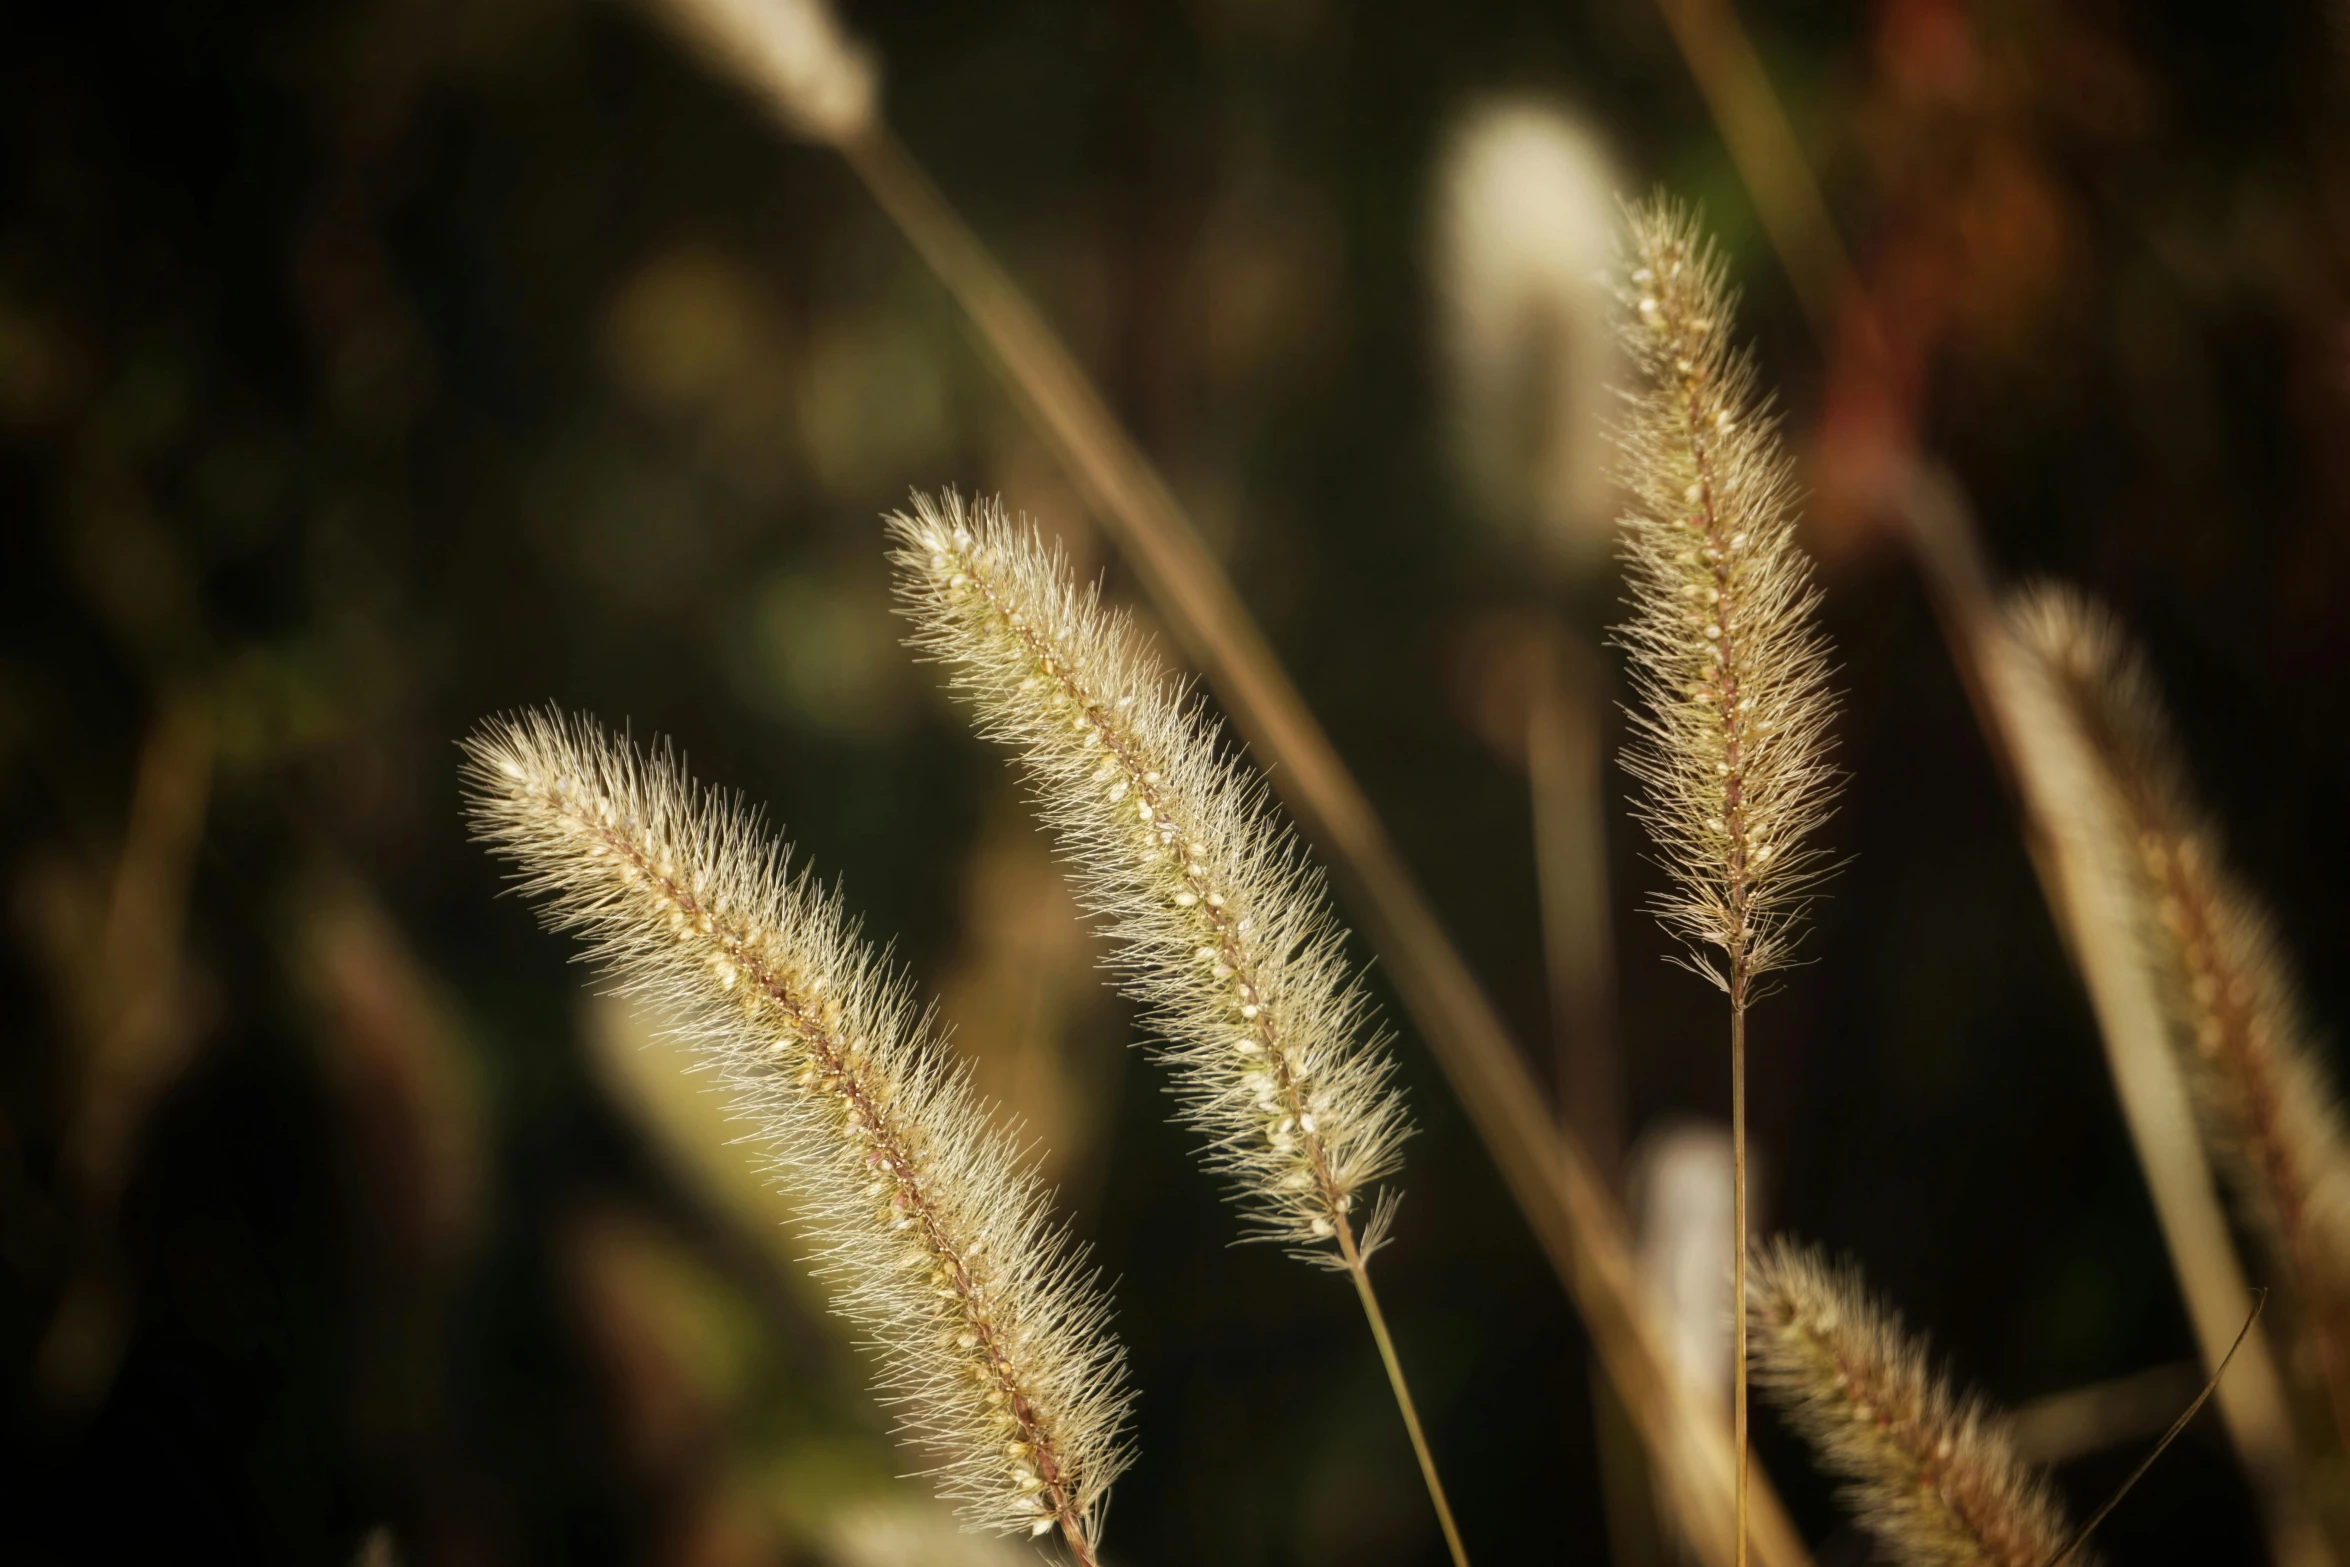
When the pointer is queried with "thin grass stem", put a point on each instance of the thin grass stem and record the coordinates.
(1738, 1231)
(1361, 1274)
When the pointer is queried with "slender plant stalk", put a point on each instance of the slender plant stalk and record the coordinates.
(2170, 1434)
(932, 1228)
(1730, 737)
(2059, 1427)
(1567, 1203)
(1403, 1394)
(1569, 810)
(1223, 929)
(1739, 1230)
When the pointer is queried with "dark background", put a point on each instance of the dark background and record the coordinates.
(368, 368)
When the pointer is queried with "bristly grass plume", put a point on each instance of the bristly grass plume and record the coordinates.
(1732, 673)
(1930, 1470)
(1222, 926)
(2230, 1003)
(930, 1226)
(1730, 732)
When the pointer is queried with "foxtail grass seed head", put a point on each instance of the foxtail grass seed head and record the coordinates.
(1525, 232)
(1930, 1471)
(930, 1227)
(1222, 926)
(1730, 733)
(2231, 1007)
(794, 54)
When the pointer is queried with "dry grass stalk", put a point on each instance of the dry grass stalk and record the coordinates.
(2234, 1014)
(1730, 734)
(2056, 1428)
(930, 1225)
(1930, 1471)
(1566, 764)
(1223, 929)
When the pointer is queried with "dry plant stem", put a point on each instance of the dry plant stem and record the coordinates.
(1738, 1232)
(1566, 1201)
(2059, 1427)
(933, 1229)
(1361, 1274)
(2170, 1434)
(1563, 748)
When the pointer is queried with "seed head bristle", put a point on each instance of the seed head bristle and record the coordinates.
(1730, 733)
(930, 1227)
(1930, 1471)
(1222, 926)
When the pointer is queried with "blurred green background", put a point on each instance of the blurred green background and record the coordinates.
(366, 368)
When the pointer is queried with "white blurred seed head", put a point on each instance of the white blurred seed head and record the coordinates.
(1525, 217)
(1682, 1210)
(794, 54)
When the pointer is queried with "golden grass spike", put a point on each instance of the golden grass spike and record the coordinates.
(1730, 735)
(1929, 1470)
(2234, 1013)
(1223, 927)
(929, 1225)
